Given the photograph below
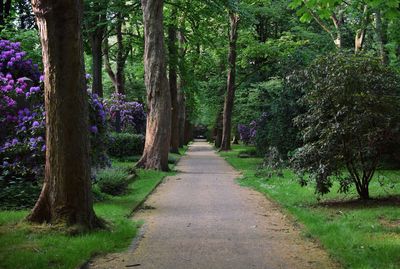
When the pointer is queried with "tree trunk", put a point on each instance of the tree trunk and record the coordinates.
(117, 77)
(360, 34)
(181, 113)
(119, 74)
(158, 131)
(218, 131)
(188, 131)
(1, 12)
(173, 84)
(337, 38)
(66, 197)
(381, 35)
(97, 62)
(181, 92)
(230, 93)
(96, 38)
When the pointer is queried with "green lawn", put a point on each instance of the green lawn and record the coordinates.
(40, 247)
(357, 234)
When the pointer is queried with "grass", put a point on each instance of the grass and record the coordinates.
(39, 247)
(357, 234)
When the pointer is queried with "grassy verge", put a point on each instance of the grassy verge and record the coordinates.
(357, 234)
(38, 247)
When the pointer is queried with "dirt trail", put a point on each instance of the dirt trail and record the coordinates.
(203, 219)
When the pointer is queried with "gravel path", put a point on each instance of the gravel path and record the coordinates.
(202, 219)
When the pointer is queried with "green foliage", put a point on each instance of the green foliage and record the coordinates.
(112, 181)
(18, 194)
(357, 234)
(30, 247)
(352, 121)
(274, 104)
(125, 144)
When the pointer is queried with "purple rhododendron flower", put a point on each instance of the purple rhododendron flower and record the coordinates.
(94, 129)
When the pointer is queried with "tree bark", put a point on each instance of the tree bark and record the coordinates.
(173, 84)
(218, 131)
(97, 63)
(158, 131)
(230, 93)
(337, 38)
(66, 197)
(119, 74)
(188, 131)
(96, 39)
(181, 113)
(181, 92)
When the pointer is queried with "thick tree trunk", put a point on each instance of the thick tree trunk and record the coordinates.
(230, 93)
(173, 84)
(158, 131)
(66, 196)
(381, 35)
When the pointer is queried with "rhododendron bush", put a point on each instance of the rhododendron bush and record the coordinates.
(22, 143)
(126, 116)
(22, 123)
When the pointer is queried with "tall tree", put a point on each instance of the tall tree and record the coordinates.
(123, 50)
(158, 131)
(96, 23)
(181, 86)
(66, 196)
(230, 92)
(173, 82)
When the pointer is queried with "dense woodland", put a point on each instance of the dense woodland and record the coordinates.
(311, 87)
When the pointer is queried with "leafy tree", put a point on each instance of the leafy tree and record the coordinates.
(352, 121)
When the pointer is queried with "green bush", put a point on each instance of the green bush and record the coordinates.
(112, 181)
(352, 121)
(98, 196)
(125, 144)
(18, 194)
(172, 159)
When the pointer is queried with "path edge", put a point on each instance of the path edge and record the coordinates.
(136, 239)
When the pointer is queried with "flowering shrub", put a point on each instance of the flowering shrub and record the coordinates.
(22, 142)
(98, 132)
(129, 115)
(22, 121)
(248, 132)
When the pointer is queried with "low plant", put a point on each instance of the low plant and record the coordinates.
(125, 144)
(113, 181)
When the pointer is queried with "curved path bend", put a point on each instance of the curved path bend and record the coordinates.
(201, 219)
